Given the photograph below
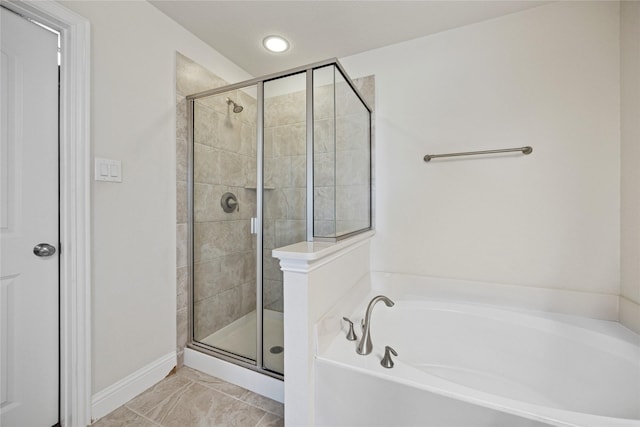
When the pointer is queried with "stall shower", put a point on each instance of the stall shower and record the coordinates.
(273, 161)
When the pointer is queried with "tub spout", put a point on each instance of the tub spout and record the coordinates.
(365, 346)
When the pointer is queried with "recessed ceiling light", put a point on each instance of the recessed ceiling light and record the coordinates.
(275, 44)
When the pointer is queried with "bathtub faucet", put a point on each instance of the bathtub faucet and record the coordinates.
(365, 346)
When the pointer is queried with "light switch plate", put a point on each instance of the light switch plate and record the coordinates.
(108, 170)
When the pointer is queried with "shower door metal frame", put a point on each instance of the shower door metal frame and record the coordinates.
(248, 363)
(260, 233)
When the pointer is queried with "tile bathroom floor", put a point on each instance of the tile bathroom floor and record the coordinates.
(192, 398)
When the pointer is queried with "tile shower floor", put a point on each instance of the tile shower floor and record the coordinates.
(191, 398)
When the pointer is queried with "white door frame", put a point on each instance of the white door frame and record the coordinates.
(75, 206)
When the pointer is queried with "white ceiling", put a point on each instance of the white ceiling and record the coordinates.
(319, 30)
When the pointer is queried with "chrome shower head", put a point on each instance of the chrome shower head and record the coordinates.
(236, 107)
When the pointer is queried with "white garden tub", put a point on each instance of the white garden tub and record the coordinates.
(465, 364)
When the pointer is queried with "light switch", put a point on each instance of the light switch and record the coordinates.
(108, 170)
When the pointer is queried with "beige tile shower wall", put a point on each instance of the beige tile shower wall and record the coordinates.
(224, 265)
(367, 88)
(324, 174)
(352, 162)
(285, 186)
(352, 173)
(342, 159)
(224, 248)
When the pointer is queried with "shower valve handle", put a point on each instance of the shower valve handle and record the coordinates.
(229, 203)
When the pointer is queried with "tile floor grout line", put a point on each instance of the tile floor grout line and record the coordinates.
(175, 403)
(207, 382)
(262, 418)
(208, 416)
(157, 404)
(144, 416)
(177, 399)
(209, 412)
(244, 401)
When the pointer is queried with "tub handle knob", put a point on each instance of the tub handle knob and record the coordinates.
(386, 361)
(351, 335)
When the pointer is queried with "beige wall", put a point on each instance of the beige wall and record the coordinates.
(546, 77)
(133, 107)
(630, 168)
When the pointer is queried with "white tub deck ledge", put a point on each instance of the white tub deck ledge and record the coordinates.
(316, 275)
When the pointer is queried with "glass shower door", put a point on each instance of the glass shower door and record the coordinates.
(224, 205)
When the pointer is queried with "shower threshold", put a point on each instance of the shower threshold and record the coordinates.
(239, 338)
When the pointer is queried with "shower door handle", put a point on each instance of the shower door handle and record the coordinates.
(254, 225)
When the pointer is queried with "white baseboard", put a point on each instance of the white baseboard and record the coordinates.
(116, 395)
(243, 377)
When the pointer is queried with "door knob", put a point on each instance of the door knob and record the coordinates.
(44, 250)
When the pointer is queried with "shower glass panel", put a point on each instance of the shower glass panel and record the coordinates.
(285, 186)
(324, 165)
(224, 203)
(342, 157)
(353, 160)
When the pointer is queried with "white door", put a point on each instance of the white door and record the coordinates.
(29, 332)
